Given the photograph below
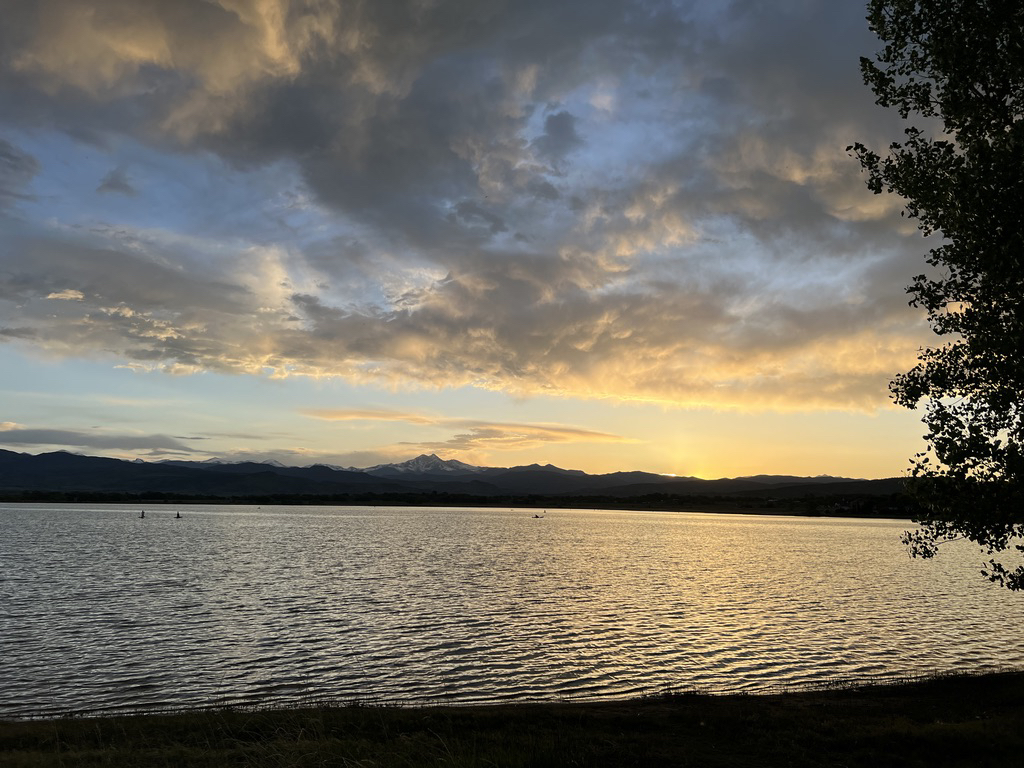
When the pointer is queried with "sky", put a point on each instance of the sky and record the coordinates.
(602, 234)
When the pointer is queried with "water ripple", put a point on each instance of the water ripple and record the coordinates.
(103, 612)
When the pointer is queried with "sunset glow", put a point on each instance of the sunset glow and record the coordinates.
(602, 234)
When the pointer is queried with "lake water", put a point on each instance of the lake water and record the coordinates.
(101, 611)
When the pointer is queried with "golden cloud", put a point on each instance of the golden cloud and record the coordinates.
(369, 414)
(475, 434)
(69, 294)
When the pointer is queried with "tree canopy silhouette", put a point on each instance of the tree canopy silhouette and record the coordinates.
(956, 69)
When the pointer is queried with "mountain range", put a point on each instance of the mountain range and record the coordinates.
(62, 471)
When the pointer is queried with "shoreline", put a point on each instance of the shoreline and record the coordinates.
(957, 719)
(313, 702)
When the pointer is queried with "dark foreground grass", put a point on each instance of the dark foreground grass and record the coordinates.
(952, 721)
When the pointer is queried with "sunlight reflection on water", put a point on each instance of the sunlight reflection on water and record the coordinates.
(103, 611)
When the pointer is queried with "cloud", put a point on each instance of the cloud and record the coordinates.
(16, 435)
(140, 402)
(559, 137)
(525, 324)
(474, 435)
(68, 294)
(17, 168)
(604, 199)
(370, 414)
(107, 49)
(492, 436)
(239, 435)
(18, 333)
(117, 182)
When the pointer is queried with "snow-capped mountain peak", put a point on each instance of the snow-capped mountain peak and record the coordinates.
(217, 461)
(427, 462)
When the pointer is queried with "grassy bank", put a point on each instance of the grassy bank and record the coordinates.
(959, 721)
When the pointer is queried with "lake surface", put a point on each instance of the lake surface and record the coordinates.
(101, 611)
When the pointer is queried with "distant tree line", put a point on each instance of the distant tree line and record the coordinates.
(845, 505)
